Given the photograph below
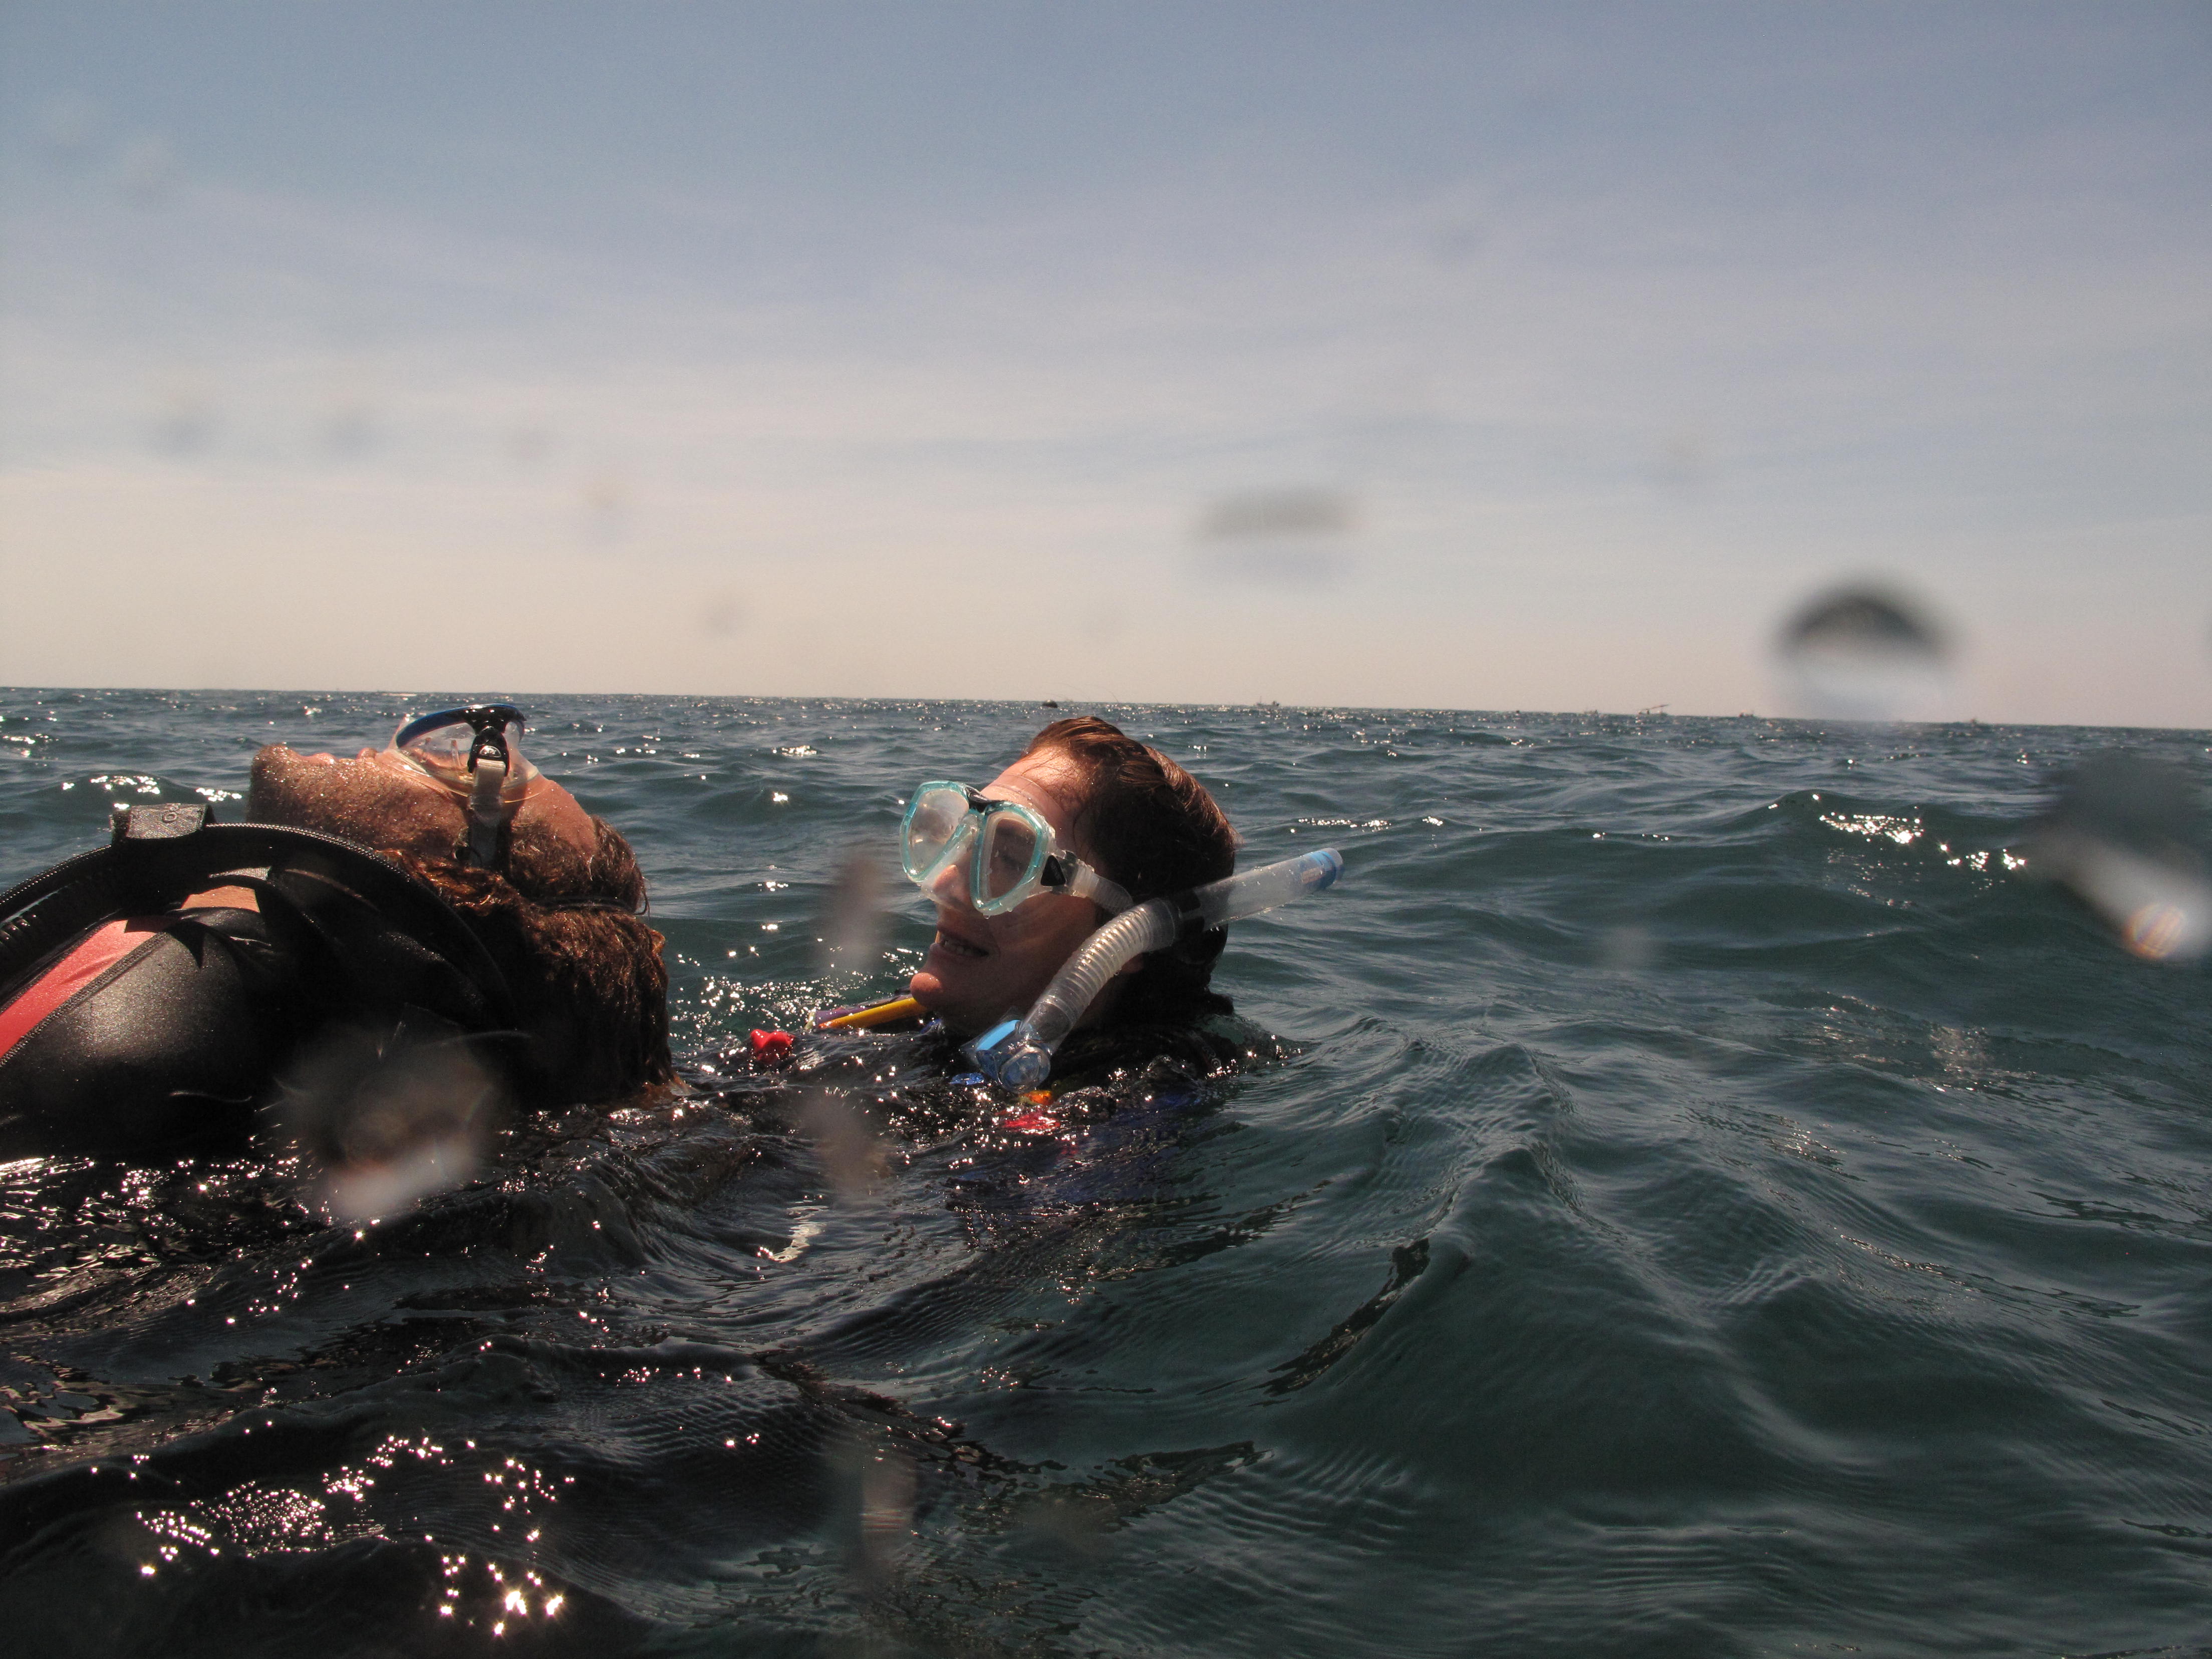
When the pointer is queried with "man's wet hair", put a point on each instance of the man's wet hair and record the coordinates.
(560, 921)
(584, 967)
(1153, 827)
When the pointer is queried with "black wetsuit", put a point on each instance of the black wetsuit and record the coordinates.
(129, 1025)
(910, 1077)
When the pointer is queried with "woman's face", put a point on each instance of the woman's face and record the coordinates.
(982, 969)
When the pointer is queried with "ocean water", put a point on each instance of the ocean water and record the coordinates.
(1694, 1191)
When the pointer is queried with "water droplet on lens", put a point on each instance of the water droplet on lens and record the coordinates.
(348, 429)
(1287, 536)
(853, 927)
(607, 504)
(879, 1491)
(1081, 1526)
(1457, 241)
(382, 1120)
(528, 445)
(1685, 463)
(1627, 948)
(147, 171)
(2129, 838)
(852, 1151)
(1277, 513)
(185, 422)
(721, 613)
(1866, 653)
(69, 124)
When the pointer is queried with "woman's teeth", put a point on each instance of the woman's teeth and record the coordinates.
(953, 946)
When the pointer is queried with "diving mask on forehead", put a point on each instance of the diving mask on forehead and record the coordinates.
(1005, 849)
(471, 752)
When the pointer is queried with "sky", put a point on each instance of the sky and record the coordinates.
(1490, 357)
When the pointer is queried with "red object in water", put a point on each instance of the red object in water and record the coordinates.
(770, 1048)
(1033, 1123)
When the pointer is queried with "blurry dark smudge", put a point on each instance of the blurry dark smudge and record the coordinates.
(67, 125)
(1627, 948)
(607, 502)
(1456, 243)
(1080, 1527)
(848, 1143)
(880, 1481)
(2128, 837)
(147, 172)
(1286, 535)
(528, 445)
(847, 1138)
(185, 424)
(382, 1120)
(721, 613)
(1865, 653)
(1864, 621)
(348, 429)
(1277, 513)
(854, 924)
(1685, 463)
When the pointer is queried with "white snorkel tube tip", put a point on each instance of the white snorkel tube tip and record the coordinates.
(1017, 1053)
(470, 751)
(488, 811)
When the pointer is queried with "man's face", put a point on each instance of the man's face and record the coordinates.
(981, 969)
(382, 800)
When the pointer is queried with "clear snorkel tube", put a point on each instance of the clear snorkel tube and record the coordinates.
(1017, 1054)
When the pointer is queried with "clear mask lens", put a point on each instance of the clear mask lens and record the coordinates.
(1000, 851)
(443, 752)
(1010, 854)
(932, 823)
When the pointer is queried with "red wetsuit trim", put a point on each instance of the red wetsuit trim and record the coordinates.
(101, 949)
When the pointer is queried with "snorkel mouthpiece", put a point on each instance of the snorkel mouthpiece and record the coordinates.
(1017, 1054)
(1010, 1057)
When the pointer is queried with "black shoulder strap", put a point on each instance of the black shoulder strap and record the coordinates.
(161, 854)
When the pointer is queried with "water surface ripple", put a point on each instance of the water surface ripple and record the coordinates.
(1694, 1192)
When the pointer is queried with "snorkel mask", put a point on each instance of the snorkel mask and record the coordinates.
(469, 752)
(1006, 851)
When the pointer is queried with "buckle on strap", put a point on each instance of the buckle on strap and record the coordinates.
(169, 820)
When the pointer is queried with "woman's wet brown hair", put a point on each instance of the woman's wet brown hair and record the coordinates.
(1153, 827)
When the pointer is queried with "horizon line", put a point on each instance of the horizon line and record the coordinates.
(1081, 704)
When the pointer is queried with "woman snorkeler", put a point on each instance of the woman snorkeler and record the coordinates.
(1083, 892)
(1085, 823)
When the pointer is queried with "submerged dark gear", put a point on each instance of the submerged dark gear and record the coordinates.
(130, 1024)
